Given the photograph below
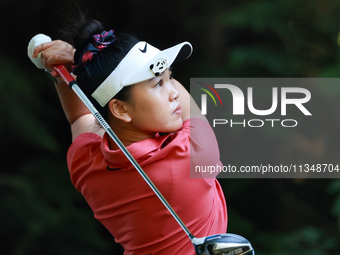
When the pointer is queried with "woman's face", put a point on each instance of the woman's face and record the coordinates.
(154, 106)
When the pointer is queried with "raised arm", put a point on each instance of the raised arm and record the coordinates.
(77, 114)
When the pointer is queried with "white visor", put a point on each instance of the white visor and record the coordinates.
(137, 66)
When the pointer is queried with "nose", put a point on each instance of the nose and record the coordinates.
(173, 93)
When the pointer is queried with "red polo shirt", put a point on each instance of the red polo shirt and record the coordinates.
(123, 202)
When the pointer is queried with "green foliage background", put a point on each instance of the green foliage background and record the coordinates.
(41, 212)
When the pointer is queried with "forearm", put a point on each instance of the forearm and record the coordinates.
(73, 107)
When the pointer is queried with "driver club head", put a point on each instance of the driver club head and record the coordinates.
(223, 244)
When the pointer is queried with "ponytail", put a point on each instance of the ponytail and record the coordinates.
(80, 34)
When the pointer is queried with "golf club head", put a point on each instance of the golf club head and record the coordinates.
(223, 244)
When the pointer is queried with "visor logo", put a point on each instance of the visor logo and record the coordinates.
(143, 50)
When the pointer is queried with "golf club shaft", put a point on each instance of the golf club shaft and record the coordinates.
(65, 75)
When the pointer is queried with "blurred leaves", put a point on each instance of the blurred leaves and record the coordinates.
(304, 241)
(18, 111)
(334, 188)
(285, 38)
(41, 212)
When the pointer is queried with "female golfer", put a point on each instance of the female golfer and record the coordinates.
(131, 84)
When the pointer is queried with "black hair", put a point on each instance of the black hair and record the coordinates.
(79, 34)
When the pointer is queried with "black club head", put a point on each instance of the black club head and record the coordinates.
(223, 244)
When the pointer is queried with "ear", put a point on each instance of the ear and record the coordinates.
(118, 109)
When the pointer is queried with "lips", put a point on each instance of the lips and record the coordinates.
(178, 109)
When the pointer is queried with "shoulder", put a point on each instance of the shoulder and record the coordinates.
(84, 147)
(194, 133)
(196, 127)
(201, 134)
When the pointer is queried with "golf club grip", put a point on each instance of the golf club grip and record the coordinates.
(66, 76)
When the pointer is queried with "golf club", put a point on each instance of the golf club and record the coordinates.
(221, 244)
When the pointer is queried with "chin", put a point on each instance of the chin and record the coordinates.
(173, 128)
(177, 127)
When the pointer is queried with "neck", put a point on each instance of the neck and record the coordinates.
(127, 135)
